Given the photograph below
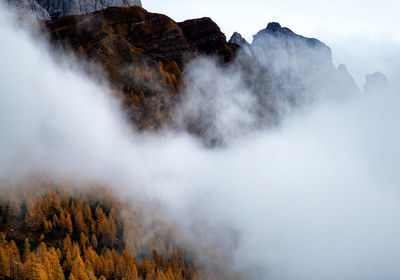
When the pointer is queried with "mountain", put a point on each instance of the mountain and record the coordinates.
(28, 7)
(376, 83)
(46, 9)
(239, 40)
(59, 8)
(144, 55)
(302, 67)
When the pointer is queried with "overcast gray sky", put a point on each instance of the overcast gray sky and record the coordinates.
(366, 30)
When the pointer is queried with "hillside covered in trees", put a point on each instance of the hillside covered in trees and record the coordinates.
(53, 232)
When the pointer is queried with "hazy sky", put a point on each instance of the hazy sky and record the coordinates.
(366, 30)
(309, 17)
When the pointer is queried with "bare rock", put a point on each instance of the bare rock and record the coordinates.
(28, 7)
(376, 82)
(237, 38)
(59, 8)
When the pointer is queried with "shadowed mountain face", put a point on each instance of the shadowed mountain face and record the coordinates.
(148, 36)
(142, 54)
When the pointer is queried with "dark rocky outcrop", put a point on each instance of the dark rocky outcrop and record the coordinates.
(148, 36)
(142, 53)
(207, 38)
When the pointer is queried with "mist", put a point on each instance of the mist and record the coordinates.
(316, 197)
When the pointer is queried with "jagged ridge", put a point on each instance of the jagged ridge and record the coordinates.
(302, 67)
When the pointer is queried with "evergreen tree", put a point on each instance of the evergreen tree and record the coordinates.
(27, 252)
(68, 224)
(78, 269)
(15, 262)
(4, 263)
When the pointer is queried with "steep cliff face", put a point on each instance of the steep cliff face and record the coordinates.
(46, 9)
(207, 38)
(239, 40)
(139, 36)
(59, 8)
(28, 7)
(302, 67)
(142, 53)
(132, 33)
(283, 50)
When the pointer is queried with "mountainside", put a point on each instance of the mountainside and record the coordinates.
(302, 67)
(376, 83)
(57, 231)
(144, 55)
(46, 9)
(239, 40)
(28, 7)
(59, 8)
(147, 60)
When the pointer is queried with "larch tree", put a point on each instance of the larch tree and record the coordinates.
(78, 269)
(27, 251)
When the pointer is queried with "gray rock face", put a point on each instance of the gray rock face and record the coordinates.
(375, 83)
(239, 40)
(28, 7)
(59, 8)
(283, 50)
(301, 67)
(47, 9)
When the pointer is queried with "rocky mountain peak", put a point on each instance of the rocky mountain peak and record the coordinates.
(274, 26)
(301, 67)
(376, 82)
(237, 38)
(206, 36)
(283, 46)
